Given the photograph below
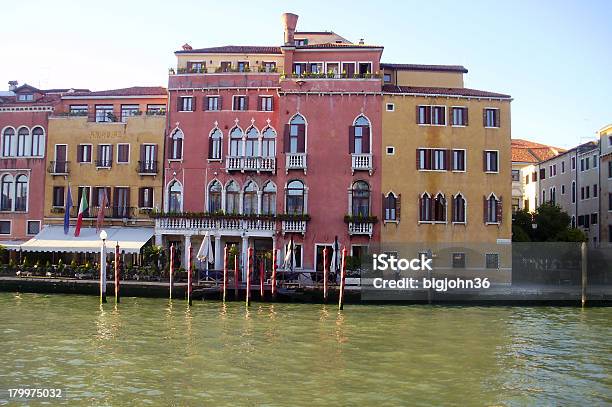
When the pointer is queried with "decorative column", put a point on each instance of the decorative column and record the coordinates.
(245, 256)
(259, 203)
(186, 251)
(218, 252)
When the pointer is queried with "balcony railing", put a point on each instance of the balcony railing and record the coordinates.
(259, 164)
(294, 226)
(59, 167)
(331, 75)
(111, 212)
(147, 167)
(295, 161)
(360, 228)
(361, 162)
(210, 224)
(104, 163)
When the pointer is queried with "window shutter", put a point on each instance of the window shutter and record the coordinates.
(301, 138)
(351, 139)
(417, 114)
(210, 147)
(384, 206)
(128, 203)
(484, 117)
(142, 155)
(99, 156)
(428, 157)
(421, 207)
(428, 114)
(110, 154)
(484, 161)
(286, 135)
(418, 159)
(116, 197)
(178, 103)
(80, 154)
(452, 197)
(484, 209)
(499, 213)
(193, 103)
(246, 103)
(366, 139)
(398, 206)
(465, 115)
(272, 103)
(205, 101)
(496, 117)
(219, 102)
(141, 197)
(447, 164)
(179, 148)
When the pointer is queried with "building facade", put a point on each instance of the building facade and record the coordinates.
(605, 182)
(106, 146)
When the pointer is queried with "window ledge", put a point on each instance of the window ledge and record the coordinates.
(491, 127)
(432, 222)
(425, 170)
(391, 221)
(492, 223)
(175, 160)
(458, 125)
(215, 160)
(433, 125)
(459, 223)
(459, 171)
(491, 172)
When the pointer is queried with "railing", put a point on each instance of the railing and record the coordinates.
(59, 167)
(110, 212)
(331, 75)
(294, 226)
(225, 70)
(360, 228)
(147, 167)
(295, 161)
(361, 162)
(258, 164)
(104, 163)
(203, 223)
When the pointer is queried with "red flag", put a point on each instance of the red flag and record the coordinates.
(100, 218)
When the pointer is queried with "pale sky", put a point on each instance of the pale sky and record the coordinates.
(553, 57)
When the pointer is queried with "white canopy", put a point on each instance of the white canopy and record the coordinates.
(11, 244)
(52, 239)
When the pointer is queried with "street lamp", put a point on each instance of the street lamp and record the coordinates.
(103, 236)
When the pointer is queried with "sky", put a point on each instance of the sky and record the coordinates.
(553, 57)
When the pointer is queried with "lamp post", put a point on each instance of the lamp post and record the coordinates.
(103, 237)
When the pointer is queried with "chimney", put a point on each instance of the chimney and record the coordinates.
(13, 85)
(187, 47)
(289, 22)
(361, 41)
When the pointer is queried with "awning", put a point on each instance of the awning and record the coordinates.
(11, 244)
(53, 239)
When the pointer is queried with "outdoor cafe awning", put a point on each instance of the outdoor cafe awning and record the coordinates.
(52, 239)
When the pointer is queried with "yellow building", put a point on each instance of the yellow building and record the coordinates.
(107, 146)
(446, 166)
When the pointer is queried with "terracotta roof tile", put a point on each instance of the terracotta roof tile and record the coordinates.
(337, 45)
(532, 152)
(443, 91)
(233, 49)
(420, 67)
(133, 91)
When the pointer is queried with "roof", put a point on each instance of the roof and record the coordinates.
(530, 152)
(338, 45)
(45, 100)
(65, 90)
(233, 49)
(133, 91)
(582, 148)
(419, 67)
(434, 91)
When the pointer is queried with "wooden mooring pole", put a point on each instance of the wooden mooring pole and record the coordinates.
(325, 274)
(248, 276)
(171, 271)
(189, 299)
(584, 264)
(117, 269)
(274, 273)
(262, 272)
(235, 277)
(224, 272)
(342, 280)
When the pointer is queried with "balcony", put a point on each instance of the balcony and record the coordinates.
(360, 228)
(147, 168)
(179, 224)
(104, 163)
(110, 212)
(258, 164)
(361, 162)
(59, 167)
(295, 161)
(294, 226)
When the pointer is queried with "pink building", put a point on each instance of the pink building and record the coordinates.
(24, 112)
(271, 144)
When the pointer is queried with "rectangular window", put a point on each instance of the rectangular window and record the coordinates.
(459, 116)
(226, 66)
(27, 97)
(391, 108)
(387, 78)
(562, 167)
(492, 260)
(243, 66)
(595, 191)
(5, 227)
(105, 156)
(433, 159)
(516, 175)
(186, 104)
(101, 196)
(573, 163)
(58, 197)
(296, 261)
(128, 111)
(145, 197)
(610, 201)
(458, 260)
(299, 69)
(123, 153)
(365, 68)
(588, 191)
(316, 67)
(458, 160)
(153, 110)
(491, 117)
(542, 173)
(212, 103)
(593, 219)
(491, 163)
(610, 169)
(431, 115)
(84, 153)
(534, 176)
(595, 161)
(104, 114)
(526, 179)
(78, 110)
(33, 227)
(266, 103)
(240, 103)
(269, 66)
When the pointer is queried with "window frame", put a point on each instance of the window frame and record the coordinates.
(487, 162)
(431, 115)
(183, 101)
(464, 116)
(10, 223)
(496, 117)
(129, 154)
(27, 229)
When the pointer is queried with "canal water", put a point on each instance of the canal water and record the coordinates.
(150, 352)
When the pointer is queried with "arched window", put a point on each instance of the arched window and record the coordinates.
(493, 209)
(8, 140)
(214, 197)
(175, 197)
(268, 142)
(21, 193)
(458, 209)
(249, 205)
(232, 198)
(360, 199)
(268, 199)
(391, 207)
(295, 198)
(236, 142)
(23, 136)
(295, 135)
(176, 147)
(425, 208)
(439, 208)
(252, 142)
(359, 134)
(38, 142)
(6, 199)
(214, 144)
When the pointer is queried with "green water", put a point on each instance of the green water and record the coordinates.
(148, 352)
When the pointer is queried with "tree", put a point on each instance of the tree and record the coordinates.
(552, 224)
(571, 235)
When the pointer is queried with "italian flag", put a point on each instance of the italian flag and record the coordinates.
(82, 209)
